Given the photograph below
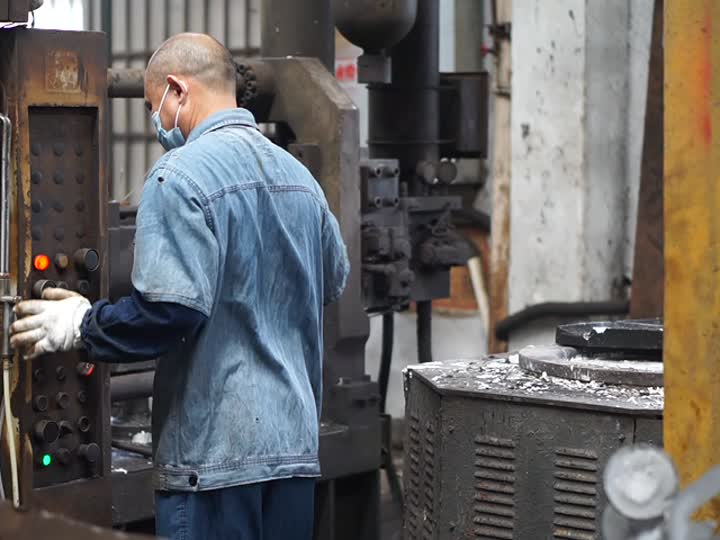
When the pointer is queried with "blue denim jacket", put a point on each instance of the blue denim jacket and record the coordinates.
(234, 227)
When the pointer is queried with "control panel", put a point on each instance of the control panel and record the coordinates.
(55, 86)
(65, 253)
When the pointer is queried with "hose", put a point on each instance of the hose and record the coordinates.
(10, 435)
(424, 331)
(388, 331)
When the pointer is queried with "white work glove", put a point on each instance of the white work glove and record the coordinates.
(49, 325)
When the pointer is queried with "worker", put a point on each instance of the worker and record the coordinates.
(236, 253)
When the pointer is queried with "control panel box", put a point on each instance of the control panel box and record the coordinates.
(55, 86)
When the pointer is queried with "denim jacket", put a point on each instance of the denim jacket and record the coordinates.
(234, 227)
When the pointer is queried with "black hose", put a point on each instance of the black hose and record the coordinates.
(558, 309)
(424, 331)
(388, 331)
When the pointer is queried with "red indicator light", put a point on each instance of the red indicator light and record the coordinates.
(41, 263)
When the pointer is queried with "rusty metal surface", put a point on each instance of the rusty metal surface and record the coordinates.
(42, 525)
(647, 285)
(692, 229)
(56, 93)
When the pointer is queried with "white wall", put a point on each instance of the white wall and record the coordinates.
(579, 75)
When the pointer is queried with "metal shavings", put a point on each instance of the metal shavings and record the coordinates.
(504, 376)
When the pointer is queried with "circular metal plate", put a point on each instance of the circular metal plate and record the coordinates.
(637, 338)
(570, 363)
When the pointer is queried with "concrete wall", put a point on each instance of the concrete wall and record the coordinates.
(579, 77)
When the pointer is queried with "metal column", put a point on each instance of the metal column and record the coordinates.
(692, 238)
(292, 28)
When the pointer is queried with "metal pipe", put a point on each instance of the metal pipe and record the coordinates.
(129, 83)
(404, 115)
(388, 331)
(132, 386)
(292, 28)
(558, 309)
(5, 233)
(424, 331)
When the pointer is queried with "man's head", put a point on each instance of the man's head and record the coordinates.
(196, 76)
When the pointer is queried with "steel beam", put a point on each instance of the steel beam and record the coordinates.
(692, 238)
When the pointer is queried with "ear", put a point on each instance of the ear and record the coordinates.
(177, 86)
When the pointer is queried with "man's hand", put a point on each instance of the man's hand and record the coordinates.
(49, 325)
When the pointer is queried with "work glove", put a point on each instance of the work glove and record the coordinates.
(49, 325)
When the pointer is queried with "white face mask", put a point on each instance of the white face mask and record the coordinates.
(168, 139)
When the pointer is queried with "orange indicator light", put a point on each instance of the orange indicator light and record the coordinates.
(42, 262)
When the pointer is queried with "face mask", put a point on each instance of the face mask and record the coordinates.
(168, 139)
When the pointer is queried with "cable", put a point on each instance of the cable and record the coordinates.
(10, 435)
(2, 416)
(388, 329)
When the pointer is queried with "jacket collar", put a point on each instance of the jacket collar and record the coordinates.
(228, 117)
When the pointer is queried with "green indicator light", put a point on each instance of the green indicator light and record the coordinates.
(46, 460)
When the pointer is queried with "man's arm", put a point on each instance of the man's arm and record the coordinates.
(133, 329)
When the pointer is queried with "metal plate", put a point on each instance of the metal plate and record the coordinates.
(569, 363)
(642, 337)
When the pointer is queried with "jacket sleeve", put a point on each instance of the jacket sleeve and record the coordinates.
(336, 265)
(176, 252)
(133, 329)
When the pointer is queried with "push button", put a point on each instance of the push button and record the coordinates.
(61, 261)
(46, 431)
(40, 286)
(91, 452)
(86, 259)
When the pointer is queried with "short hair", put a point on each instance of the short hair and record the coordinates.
(194, 55)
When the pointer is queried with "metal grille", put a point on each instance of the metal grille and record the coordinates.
(494, 501)
(420, 487)
(575, 494)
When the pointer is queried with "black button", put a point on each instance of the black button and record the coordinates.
(36, 177)
(35, 148)
(46, 431)
(193, 480)
(40, 286)
(91, 452)
(66, 428)
(83, 287)
(40, 403)
(37, 206)
(58, 149)
(87, 259)
(82, 396)
(83, 424)
(39, 375)
(60, 373)
(62, 399)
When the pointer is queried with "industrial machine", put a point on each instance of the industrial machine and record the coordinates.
(515, 445)
(394, 210)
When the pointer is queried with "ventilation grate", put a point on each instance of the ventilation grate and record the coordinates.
(494, 500)
(420, 483)
(575, 494)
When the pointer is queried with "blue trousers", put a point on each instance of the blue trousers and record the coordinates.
(275, 510)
